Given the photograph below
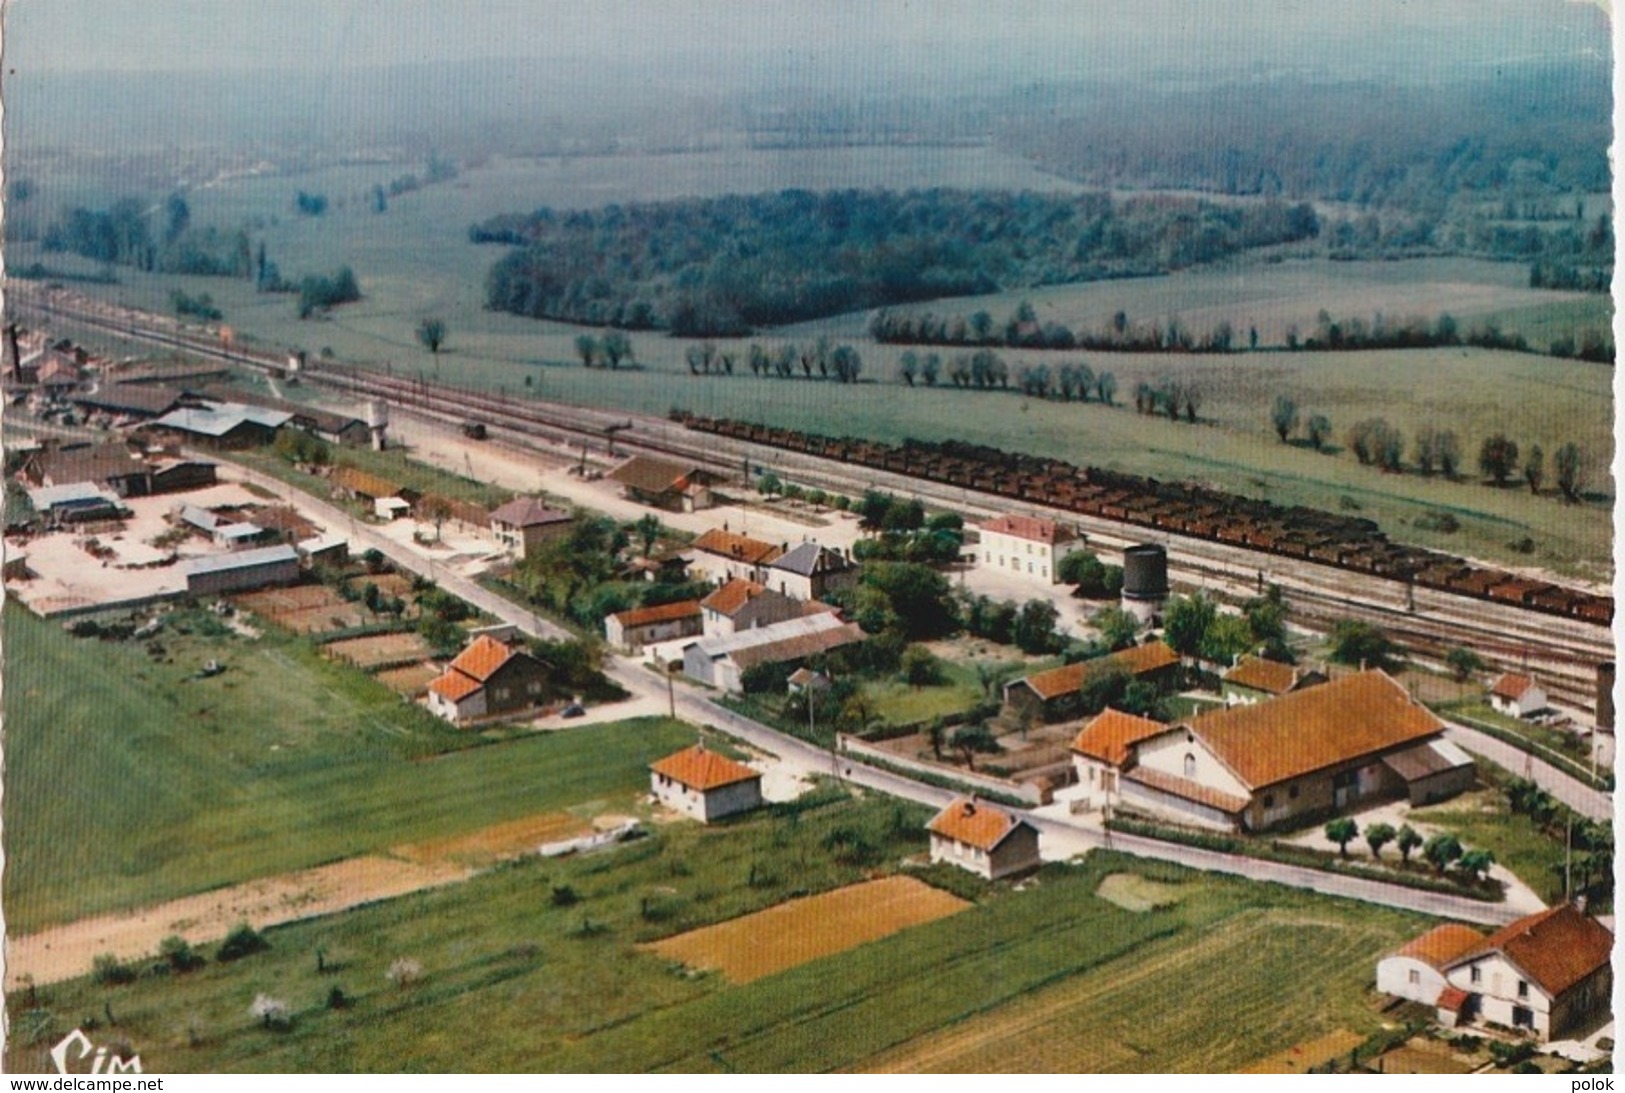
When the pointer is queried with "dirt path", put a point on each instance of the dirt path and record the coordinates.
(62, 952)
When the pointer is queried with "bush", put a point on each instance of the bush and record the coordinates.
(336, 998)
(178, 951)
(109, 971)
(243, 941)
(564, 896)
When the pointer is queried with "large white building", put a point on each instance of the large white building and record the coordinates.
(1029, 546)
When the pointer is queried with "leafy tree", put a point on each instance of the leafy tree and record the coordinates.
(1355, 642)
(908, 366)
(1266, 617)
(1426, 449)
(1186, 621)
(1117, 627)
(1106, 387)
(1497, 457)
(1342, 832)
(768, 485)
(177, 216)
(1407, 839)
(1448, 450)
(1284, 416)
(243, 941)
(1227, 637)
(1569, 464)
(1534, 468)
(921, 668)
(432, 334)
(1463, 663)
(1379, 835)
(587, 349)
(1319, 428)
(648, 529)
(969, 740)
(1441, 850)
(918, 596)
(1476, 863)
(1034, 629)
(616, 347)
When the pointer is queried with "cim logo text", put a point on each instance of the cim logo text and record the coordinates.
(100, 1061)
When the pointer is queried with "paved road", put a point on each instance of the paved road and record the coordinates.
(1063, 838)
(1566, 788)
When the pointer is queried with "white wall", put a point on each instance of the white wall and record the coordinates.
(1408, 977)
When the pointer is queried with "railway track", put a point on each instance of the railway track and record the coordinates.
(1428, 621)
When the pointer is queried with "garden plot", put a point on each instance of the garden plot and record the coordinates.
(802, 930)
(380, 651)
(303, 609)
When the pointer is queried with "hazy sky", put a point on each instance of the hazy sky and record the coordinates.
(1039, 37)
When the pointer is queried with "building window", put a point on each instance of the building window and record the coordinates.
(1190, 765)
(1269, 800)
(1292, 793)
(1415, 977)
(1523, 988)
(1477, 976)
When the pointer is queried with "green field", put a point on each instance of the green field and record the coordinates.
(511, 981)
(129, 782)
(415, 261)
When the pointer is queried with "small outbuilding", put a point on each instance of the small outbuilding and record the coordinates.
(242, 571)
(1517, 695)
(984, 839)
(632, 630)
(705, 785)
(1416, 970)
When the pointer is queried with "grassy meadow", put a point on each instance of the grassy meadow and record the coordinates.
(1050, 977)
(415, 261)
(130, 781)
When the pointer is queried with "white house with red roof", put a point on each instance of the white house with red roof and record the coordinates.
(1548, 974)
(705, 785)
(743, 605)
(632, 630)
(1517, 695)
(988, 841)
(1030, 546)
(1416, 970)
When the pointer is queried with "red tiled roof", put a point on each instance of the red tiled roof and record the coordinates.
(1109, 736)
(666, 612)
(1306, 731)
(1269, 676)
(1068, 678)
(732, 596)
(1035, 528)
(454, 685)
(701, 769)
(738, 547)
(1452, 999)
(1512, 686)
(1555, 948)
(1442, 944)
(482, 658)
(1184, 787)
(974, 823)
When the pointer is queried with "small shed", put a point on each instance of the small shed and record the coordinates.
(983, 839)
(1517, 695)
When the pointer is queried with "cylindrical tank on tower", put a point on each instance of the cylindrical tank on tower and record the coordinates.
(377, 413)
(1145, 581)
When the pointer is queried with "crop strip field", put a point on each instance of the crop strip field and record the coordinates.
(800, 930)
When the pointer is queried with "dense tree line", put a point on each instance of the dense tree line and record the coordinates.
(320, 292)
(1415, 332)
(125, 235)
(721, 266)
(1022, 330)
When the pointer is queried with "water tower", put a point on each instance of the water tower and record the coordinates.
(377, 422)
(1145, 582)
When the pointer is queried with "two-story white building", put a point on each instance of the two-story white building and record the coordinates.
(1029, 546)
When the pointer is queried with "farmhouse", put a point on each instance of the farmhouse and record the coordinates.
(1255, 679)
(1101, 749)
(721, 662)
(810, 571)
(1310, 753)
(745, 605)
(524, 524)
(679, 487)
(1416, 970)
(1028, 545)
(704, 785)
(1055, 695)
(988, 841)
(1517, 695)
(1548, 974)
(488, 679)
(632, 630)
(721, 555)
(242, 571)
